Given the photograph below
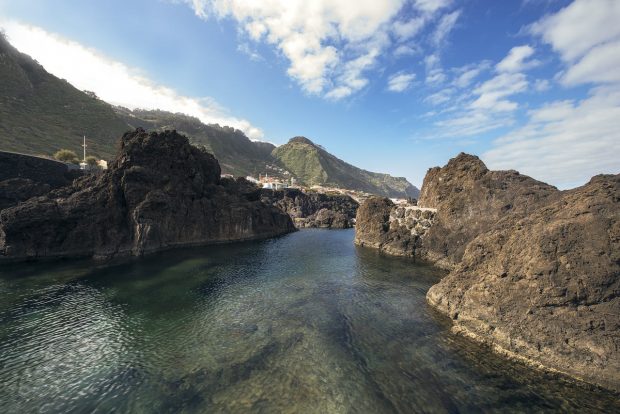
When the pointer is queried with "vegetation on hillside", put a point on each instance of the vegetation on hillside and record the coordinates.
(313, 165)
(40, 113)
(66, 155)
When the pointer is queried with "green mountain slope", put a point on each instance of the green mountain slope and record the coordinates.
(237, 154)
(315, 166)
(40, 114)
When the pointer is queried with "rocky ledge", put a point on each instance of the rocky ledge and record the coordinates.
(535, 272)
(160, 192)
(314, 210)
(546, 287)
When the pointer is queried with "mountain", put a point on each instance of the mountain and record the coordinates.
(40, 113)
(312, 165)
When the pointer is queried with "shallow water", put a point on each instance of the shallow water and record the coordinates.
(303, 323)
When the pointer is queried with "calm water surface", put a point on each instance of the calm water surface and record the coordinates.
(304, 323)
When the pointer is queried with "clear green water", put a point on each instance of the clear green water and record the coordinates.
(304, 323)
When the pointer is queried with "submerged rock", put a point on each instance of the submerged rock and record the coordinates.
(545, 287)
(335, 211)
(160, 192)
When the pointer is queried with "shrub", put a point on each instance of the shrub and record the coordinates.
(66, 155)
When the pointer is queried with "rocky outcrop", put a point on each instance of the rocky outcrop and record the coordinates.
(15, 190)
(466, 199)
(535, 271)
(396, 230)
(159, 192)
(470, 199)
(308, 210)
(545, 287)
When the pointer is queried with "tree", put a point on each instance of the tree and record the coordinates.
(66, 155)
(91, 161)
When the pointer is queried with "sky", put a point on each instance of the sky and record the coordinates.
(395, 86)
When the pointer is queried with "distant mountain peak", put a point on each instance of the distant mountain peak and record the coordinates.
(301, 140)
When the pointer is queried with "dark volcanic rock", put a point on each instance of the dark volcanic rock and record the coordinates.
(160, 192)
(314, 209)
(546, 287)
(14, 190)
(26, 176)
(469, 199)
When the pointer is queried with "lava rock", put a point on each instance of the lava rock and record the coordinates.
(335, 211)
(545, 287)
(160, 192)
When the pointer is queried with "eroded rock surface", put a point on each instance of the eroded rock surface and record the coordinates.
(314, 209)
(546, 286)
(535, 271)
(159, 192)
(397, 230)
(470, 199)
(466, 199)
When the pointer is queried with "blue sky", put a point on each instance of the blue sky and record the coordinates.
(393, 86)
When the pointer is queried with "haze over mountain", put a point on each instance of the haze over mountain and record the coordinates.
(41, 114)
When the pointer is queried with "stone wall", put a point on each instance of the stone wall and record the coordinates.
(41, 170)
(417, 220)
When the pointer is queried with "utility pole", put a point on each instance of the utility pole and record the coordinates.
(84, 146)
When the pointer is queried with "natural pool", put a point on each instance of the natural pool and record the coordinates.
(303, 323)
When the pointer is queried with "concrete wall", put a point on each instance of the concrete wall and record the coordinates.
(42, 170)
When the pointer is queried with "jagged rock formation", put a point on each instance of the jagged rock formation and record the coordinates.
(314, 209)
(545, 287)
(535, 271)
(396, 230)
(468, 199)
(160, 192)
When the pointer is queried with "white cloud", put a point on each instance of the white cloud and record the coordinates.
(431, 6)
(329, 44)
(468, 73)
(492, 93)
(406, 50)
(599, 65)
(444, 27)
(434, 71)
(405, 30)
(400, 82)
(440, 97)
(324, 40)
(565, 142)
(586, 34)
(112, 81)
(516, 61)
(580, 26)
(541, 85)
